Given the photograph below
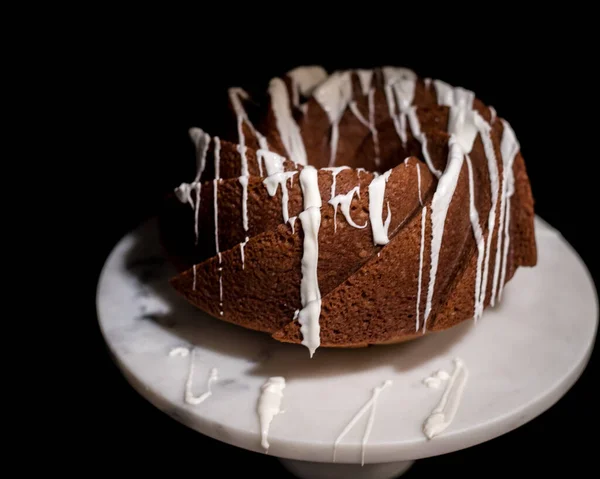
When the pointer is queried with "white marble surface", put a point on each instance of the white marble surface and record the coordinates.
(521, 357)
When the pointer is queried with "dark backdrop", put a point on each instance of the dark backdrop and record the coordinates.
(150, 92)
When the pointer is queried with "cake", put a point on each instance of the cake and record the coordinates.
(350, 209)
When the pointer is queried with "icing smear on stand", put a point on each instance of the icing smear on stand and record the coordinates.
(443, 414)
(269, 406)
(189, 397)
(370, 404)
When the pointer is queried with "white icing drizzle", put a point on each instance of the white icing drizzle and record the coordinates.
(189, 395)
(427, 82)
(310, 295)
(242, 246)
(183, 192)
(216, 208)
(423, 140)
(309, 182)
(194, 280)
(492, 164)
(220, 285)
(453, 96)
(296, 313)
(509, 146)
(244, 182)
(370, 124)
(288, 129)
(292, 222)
(275, 180)
(345, 201)
(370, 404)
(304, 81)
(269, 406)
(479, 239)
(333, 95)
(443, 414)
(217, 154)
(399, 84)
(179, 351)
(235, 96)
(376, 197)
(439, 208)
(201, 141)
(435, 380)
(365, 77)
(419, 183)
(273, 162)
(421, 254)
(493, 115)
(334, 172)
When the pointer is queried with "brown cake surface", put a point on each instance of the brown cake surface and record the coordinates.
(362, 207)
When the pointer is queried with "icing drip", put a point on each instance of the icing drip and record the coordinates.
(435, 380)
(292, 222)
(453, 96)
(493, 115)
(244, 182)
(345, 201)
(490, 154)
(479, 240)
(439, 209)
(419, 183)
(309, 182)
(421, 253)
(370, 404)
(189, 395)
(183, 192)
(194, 274)
(310, 294)
(275, 180)
(217, 157)
(216, 208)
(399, 84)
(423, 139)
(334, 173)
(376, 197)
(220, 285)
(304, 81)
(370, 124)
(509, 147)
(427, 82)
(269, 406)
(296, 313)
(273, 162)
(286, 125)
(180, 351)
(443, 414)
(201, 141)
(334, 95)
(365, 77)
(236, 95)
(242, 245)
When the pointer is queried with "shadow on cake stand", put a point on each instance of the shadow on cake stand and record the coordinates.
(549, 315)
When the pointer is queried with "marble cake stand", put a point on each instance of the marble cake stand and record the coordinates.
(521, 357)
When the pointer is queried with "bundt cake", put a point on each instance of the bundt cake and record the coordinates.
(357, 208)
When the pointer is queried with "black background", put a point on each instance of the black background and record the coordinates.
(149, 92)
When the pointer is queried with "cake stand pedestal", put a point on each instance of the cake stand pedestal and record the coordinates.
(521, 357)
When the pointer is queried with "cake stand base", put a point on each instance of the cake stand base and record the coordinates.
(320, 470)
(522, 356)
